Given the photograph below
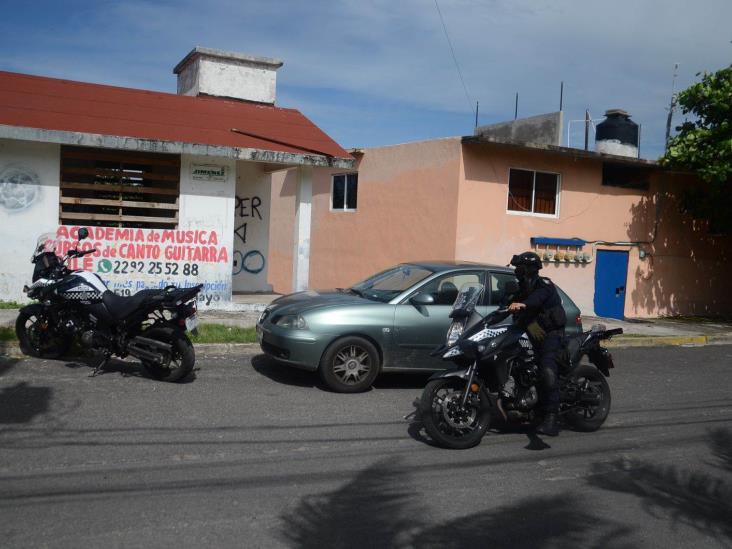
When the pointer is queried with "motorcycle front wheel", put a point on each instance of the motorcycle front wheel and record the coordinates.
(37, 335)
(446, 421)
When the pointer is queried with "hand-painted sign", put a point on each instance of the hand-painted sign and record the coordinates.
(130, 260)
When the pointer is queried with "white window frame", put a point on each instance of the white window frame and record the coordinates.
(345, 192)
(557, 199)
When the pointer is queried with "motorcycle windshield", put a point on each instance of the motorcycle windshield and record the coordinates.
(467, 298)
(46, 243)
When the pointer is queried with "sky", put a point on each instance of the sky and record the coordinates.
(377, 72)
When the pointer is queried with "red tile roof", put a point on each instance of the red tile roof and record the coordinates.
(54, 104)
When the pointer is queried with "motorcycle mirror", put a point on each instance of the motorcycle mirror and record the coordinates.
(422, 299)
(83, 233)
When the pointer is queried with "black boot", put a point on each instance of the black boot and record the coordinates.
(549, 426)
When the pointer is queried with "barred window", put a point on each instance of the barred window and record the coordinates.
(111, 188)
(533, 192)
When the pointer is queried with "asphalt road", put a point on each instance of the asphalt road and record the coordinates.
(253, 454)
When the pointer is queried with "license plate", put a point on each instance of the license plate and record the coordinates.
(191, 323)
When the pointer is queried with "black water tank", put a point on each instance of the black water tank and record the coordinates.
(617, 129)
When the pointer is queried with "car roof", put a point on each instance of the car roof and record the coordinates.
(448, 265)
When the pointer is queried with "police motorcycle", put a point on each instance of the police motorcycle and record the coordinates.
(149, 325)
(496, 376)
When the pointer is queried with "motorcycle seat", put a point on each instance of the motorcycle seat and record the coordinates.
(120, 307)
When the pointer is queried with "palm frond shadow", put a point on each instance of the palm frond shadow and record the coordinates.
(698, 499)
(372, 510)
(377, 509)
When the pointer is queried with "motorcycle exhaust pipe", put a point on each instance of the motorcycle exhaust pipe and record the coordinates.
(139, 347)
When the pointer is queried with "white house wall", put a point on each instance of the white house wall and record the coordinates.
(210, 204)
(251, 228)
(29, 198)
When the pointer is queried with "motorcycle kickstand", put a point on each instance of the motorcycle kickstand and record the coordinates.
(103, 361)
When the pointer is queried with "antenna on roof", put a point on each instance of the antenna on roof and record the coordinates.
(515, 110)
(561, 95)
(477, 104)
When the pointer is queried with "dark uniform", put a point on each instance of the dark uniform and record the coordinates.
(544, 308)
(544, 319)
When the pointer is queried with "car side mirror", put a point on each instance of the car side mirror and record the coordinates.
(421, 299)
(83, 233)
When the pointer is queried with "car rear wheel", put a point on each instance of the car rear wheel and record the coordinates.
(350, 365)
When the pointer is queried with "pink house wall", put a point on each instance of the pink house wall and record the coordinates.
(444, 200)
(680, 275)
(407, 203)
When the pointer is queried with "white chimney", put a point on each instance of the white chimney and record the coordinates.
(205, 71)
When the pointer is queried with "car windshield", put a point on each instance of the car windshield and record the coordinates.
(390, 283)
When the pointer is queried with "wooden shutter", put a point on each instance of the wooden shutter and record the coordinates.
(119, 188)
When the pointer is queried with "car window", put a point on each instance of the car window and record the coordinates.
(445, 288)
(497, 284)
(390, 283)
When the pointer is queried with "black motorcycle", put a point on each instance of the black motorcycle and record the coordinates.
(149, 325)
(497, 377)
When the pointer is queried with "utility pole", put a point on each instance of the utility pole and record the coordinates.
(587, 129)
(671, 107)
(515, 112)
(477, 104)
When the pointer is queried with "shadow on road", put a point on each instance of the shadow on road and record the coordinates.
(377, 509)
(290, 375)
(121, 367)
(689, 496)
(7, 364)
(21, 403)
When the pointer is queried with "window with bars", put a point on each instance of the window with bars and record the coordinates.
(345, 192)
(110, 188)
(533, 192)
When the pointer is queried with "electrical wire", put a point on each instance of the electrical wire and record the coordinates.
(454, 58)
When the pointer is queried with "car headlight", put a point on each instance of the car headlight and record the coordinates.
(454, 333)
(296, 322)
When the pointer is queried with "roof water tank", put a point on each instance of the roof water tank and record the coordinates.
(617, 134)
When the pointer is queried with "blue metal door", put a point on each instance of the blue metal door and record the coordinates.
(611, 273)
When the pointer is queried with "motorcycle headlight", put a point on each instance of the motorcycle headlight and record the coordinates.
(454, 333)
(296, 322)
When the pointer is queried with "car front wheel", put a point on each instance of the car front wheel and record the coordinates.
(350, 365)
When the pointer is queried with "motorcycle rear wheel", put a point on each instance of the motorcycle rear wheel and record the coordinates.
(446, 422)
(590, 417)
(182, 358)
(37, 336)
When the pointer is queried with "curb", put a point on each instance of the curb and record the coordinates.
(666, 341)
(11, 349)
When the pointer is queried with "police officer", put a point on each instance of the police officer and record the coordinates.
(539, 308)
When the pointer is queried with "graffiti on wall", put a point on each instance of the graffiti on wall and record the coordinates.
(130, 260)
(245, 259)
(20, 187)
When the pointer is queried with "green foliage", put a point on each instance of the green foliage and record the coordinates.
(7, 334)
(10, 305)
(704, 145)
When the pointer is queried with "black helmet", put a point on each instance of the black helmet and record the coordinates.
(529, 260)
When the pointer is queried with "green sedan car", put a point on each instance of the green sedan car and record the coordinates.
(388, 323)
